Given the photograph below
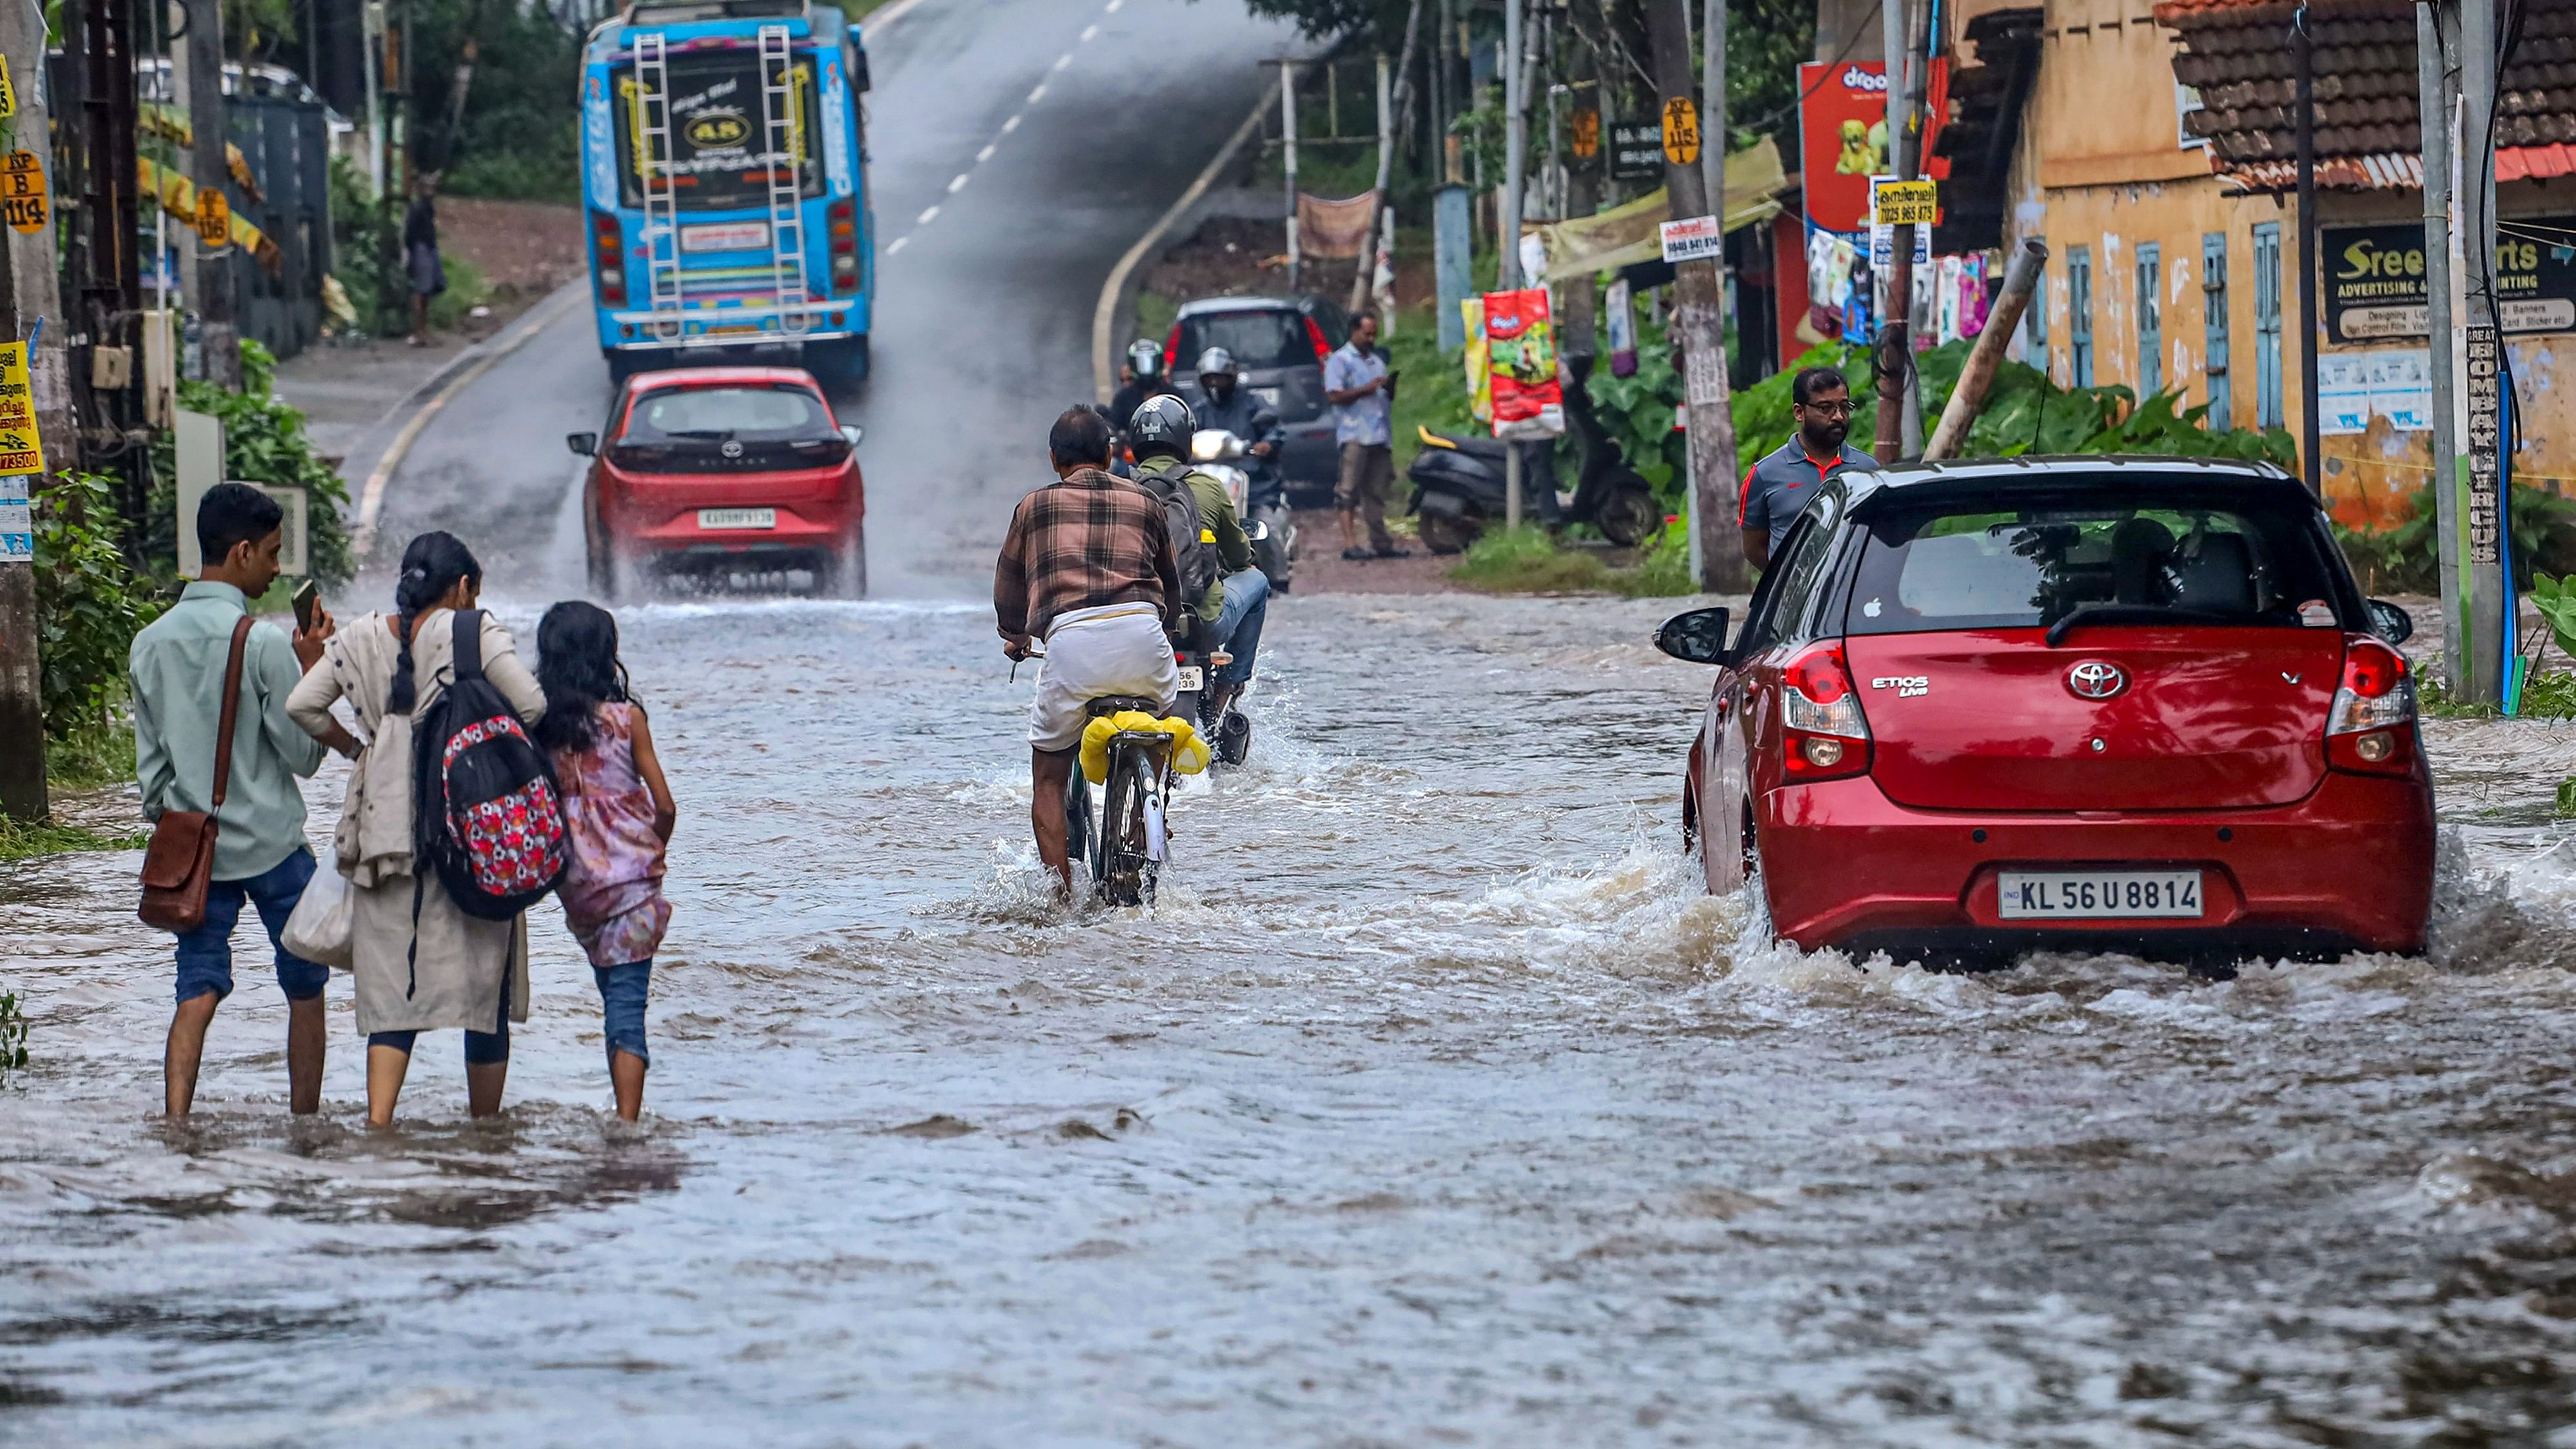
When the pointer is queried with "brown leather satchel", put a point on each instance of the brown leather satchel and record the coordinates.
(181, 858)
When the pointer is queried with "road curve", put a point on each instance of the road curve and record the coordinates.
(1017, 147)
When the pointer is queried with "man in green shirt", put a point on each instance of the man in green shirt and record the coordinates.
(1238, 599)
(176, 673)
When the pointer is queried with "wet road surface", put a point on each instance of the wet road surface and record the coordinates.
(1434, 1104)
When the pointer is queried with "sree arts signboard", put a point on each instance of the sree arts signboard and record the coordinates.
(2375, 287)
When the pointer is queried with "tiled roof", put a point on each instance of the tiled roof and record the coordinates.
(2237, 54)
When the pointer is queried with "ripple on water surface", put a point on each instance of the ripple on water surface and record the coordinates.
(1433, 1104)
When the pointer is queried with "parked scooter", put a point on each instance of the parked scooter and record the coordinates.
(1261, 504)
(1458, 485)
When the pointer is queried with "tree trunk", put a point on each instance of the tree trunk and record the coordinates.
(1699, 323)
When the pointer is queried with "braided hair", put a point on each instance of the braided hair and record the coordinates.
(432, 565)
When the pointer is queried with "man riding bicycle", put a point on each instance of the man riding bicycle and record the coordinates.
(1087, 567)
(1237, 598)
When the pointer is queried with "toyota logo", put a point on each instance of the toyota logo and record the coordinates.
(733, 450)
(2094, 679)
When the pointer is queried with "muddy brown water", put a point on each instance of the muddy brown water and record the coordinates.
(1434, 1105)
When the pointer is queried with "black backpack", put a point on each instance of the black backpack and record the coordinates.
(1193, 541)
(488, 816)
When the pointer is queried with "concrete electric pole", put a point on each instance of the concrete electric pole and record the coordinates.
(1507, 234)
(2481, 376)
(2438, 106)
(207, 272)
(1699, 299)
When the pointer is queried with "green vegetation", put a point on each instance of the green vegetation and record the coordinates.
(88, 606)
(93, 754)
(2403, 559)
(21, 841)
(1527, 560)
(264, 442)
(520, 134)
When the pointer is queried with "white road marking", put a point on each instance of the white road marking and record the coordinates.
(1063, 60)
(1012, 124)
(898, 245)
(1039, 94)
(959, 184)
(924, 218)
(1089, 31)
(987, 153)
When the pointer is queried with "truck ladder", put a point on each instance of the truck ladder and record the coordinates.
(661, 200)
(779, 134)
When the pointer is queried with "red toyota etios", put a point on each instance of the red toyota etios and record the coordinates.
(718, 470)
(2093, 704)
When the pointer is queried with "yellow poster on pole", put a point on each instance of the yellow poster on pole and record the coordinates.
(8, 91)
(22, 192)
(21, 451)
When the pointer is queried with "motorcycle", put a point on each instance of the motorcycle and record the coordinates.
(1458, 485)
(1261, 505)
(1229, 737)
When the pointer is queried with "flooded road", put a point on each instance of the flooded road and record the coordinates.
(1435, 1105)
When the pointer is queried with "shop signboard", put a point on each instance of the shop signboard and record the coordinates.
(2373, 278)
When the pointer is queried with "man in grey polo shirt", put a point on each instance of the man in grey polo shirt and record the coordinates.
(1778, 486)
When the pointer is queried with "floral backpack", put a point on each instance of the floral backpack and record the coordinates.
(490, 820)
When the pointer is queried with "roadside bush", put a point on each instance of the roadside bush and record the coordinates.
(2405, 559)
(264, 442)
(89, 605)
(366, 251)
(1526, 560)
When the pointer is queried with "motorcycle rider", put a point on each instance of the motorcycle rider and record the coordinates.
(1224, 402)
(1237, 601)
(1147, 379)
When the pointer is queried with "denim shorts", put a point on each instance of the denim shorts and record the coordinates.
(622, 990)
(206, 953)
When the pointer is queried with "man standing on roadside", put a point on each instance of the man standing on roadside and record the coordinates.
(176, 673)
(1362, 392)
(1780, 485)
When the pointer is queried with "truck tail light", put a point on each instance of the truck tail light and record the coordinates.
(1824, 735)
(841, 222)
(608, 245)
(2370, 729)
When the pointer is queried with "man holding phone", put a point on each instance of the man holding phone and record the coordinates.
(1362, 391)
(177, 673)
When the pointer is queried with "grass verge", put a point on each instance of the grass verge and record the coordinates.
(22, 841)
(101, 754)
(1527, 561)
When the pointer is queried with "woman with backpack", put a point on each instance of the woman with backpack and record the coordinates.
(423, 962)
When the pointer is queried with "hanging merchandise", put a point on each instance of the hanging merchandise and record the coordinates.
(1623, 331)
(1973, 302)
(1520, 341)
(1946, 299)
(1480, 382)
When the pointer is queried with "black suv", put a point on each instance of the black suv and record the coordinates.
(1279, 346)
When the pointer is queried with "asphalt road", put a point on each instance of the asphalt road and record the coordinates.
(1048, 136)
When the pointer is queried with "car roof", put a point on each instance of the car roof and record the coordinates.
(1205, 306)
(2026, 473)
(725, 377)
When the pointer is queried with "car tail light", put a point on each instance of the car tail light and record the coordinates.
(1825, 736)
(609, 244)
(1315, 335)
(2371, 727)
(1172, 350)
(841, 221)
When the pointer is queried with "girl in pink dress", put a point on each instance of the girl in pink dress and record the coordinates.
(620, 815)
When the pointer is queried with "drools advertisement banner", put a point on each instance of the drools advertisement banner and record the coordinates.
(1520, 347)
(1842, 126)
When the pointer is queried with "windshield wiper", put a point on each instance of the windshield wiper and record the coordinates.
(2132, 614)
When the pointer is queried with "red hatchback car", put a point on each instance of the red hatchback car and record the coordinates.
(718, 469)
(2126, 704)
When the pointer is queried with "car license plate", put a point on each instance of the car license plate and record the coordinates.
(724, 236)
(2043, 895)
(737, 518)
(1193, 677)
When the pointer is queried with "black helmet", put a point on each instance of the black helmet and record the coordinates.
(1217, 360)
(1146, 356)
(1162, 424)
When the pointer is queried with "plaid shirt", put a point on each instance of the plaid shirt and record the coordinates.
(1081, 543)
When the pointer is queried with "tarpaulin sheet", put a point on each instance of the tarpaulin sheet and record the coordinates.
(1629, 234)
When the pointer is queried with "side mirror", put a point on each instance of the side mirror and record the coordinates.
(2390, 622)
(1698, 636)
(853, 432)
(1258, 531)
(585, 444)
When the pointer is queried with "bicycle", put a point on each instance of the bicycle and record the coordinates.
(1128, 852)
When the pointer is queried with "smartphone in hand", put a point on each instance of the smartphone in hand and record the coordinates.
(308, 604)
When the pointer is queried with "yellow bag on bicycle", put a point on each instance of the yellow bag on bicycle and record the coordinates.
(1189, 752)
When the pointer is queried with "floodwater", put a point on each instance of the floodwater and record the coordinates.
(1434, 1106)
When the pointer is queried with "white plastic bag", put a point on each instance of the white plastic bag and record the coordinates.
(322, 928)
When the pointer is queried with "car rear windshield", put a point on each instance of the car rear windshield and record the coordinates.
(1258, 340)
(724, 414)
(1972, 565)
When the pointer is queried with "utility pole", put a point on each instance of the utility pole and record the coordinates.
(1699, 304)
(28, 280)
(2303, 49)
(2482, 346)
(1712, 419)
(207, 275)
(1579, 333)
(2437, 104)
(1287, 153)
(1895, 351)
(1386, 133)
(1507, 235)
